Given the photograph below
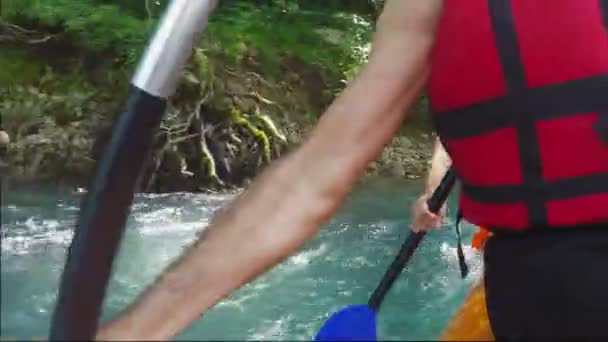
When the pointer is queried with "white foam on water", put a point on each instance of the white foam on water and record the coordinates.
(171, 229)
(276, 330)
(34, 224)
(168, 222)
(345, 293)
(260, 286)
(160, 196)
(356, 262)
(165, 215)
(17, 245)
(51, 224)
(383, 231)
(39, 233)
(472, 257)
(189, 196)
(61, 237)
(139, 205)
(306, 257)
(239, 301)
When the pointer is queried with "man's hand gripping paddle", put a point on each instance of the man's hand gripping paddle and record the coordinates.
(358, 322)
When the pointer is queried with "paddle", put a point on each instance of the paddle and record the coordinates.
(358, 322)
(105, 208)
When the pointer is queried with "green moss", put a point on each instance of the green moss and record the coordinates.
(237, 118)
(209, 163)
(270, 126)
(17, 66)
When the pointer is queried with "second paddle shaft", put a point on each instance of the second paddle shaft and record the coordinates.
(411, 243)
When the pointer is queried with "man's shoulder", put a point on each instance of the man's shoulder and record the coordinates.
(411, 14)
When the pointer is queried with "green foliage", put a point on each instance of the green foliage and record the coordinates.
(337, 42)
(24, 108)
(265, 30)
(94, 26)
(50, 123)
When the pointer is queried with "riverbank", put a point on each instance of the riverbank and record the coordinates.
(240, 103)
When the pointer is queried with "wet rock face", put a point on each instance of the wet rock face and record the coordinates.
(4, 142)
(223, 126)
(404, 157)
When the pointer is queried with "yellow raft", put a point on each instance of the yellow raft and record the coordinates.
(471, 322)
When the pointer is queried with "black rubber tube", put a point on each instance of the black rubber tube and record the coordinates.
(411, 243)
(102, 219)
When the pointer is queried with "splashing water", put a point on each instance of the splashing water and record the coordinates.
(340, 267)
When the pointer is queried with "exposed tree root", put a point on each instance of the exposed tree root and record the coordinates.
(17, 34)
(208, 160)
(201, 140)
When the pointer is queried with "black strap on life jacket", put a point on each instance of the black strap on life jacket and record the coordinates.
(464, 268)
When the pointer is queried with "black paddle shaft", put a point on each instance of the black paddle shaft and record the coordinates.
(102, 219)
(106, 207)
(411, 243)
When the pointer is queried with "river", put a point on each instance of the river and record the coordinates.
(341, 266)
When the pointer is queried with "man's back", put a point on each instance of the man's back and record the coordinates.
(520, 94)
(519, 88)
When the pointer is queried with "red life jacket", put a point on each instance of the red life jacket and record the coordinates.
(519, 91)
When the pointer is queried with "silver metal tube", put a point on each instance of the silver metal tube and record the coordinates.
(171, 46)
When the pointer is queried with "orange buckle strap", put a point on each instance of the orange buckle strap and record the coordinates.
(480, 238)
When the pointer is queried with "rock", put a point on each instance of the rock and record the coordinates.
(397, 170)
(372, 167)
(404, 142)
(4, 139)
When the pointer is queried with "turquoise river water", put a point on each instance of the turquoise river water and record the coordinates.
(341, 266)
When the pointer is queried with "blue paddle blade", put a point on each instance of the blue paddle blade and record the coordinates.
(353, 323)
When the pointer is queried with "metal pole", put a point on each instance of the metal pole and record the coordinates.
(169, 50)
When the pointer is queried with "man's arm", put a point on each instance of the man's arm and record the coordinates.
(440, 163)
(422, 218)
(289, 202)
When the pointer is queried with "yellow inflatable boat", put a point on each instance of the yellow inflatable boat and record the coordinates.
(471, 322)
